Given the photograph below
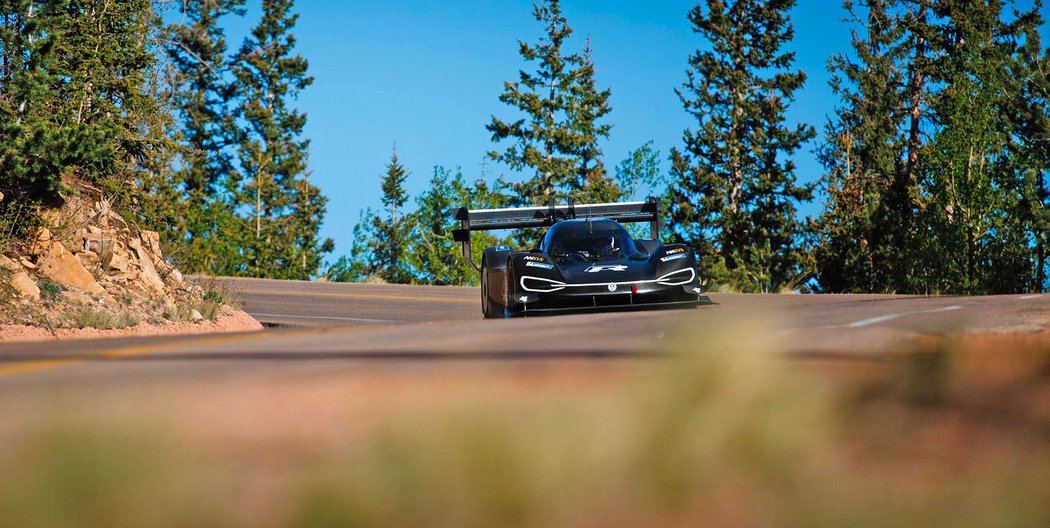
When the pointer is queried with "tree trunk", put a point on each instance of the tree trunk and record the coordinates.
(915, 87)
(258, 209)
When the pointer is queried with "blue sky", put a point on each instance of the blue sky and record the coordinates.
(428, 75)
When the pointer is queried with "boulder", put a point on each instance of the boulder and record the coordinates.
(78, 298)
(151, 239)
(89, 259)
(98, 244)
(149, 278)
(66, 269)
(25, 286)
(9, 265)
(20, 281)
(117, 262)
(175, 277)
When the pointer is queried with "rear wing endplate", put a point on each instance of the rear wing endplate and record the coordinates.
(526, 217)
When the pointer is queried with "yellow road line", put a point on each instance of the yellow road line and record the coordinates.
(365, 296)
(141, 350)
(34, 366)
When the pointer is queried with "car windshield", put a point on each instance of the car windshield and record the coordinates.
(589, 240)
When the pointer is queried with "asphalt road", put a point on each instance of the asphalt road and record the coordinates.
(331, 328)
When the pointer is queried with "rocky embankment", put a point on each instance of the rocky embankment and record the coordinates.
(90, 273)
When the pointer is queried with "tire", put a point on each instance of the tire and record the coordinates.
(489, 308)
(508, 282)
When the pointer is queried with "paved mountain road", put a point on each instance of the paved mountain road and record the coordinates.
(343, 328)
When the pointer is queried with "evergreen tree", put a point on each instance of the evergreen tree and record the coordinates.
(588, 106)
(435, 256)
(733, 188)
(202, 225)
(75, 97)
(930, 154)
(557, 138)
(33, 149)
(271, 154)
(975, 237)
(862, 240)
(359, 265)
(1030, 109)
(104, 56)
(391, 234)
(417, 246)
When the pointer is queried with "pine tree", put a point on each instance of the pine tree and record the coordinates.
(434, 255)
(105, 54)
(390, 234)
(557, 141)
(976, 240)
(76, 97)
(271, 155)
(359, 265)
(863, 243)
(588, 106)
(1030, 109)
(33, 149)
(928, 155)
(733, 188)
(202, 224)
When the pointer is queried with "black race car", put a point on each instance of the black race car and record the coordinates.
(586, 261)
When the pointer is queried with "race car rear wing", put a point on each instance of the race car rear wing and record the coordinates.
(526, 217)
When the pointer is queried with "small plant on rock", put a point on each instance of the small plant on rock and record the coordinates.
(50, 292)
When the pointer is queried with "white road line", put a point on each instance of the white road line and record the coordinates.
(890, 317)
(358, 319)
(875, 320)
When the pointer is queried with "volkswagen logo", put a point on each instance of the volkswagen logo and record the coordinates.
(612, 287)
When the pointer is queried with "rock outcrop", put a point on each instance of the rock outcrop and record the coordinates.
(20, 281)
(90, 255)
(55, 262)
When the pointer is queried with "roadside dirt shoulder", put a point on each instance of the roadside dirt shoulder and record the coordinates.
(229, 321)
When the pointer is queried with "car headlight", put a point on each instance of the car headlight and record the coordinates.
(678, 278)
(540, 284)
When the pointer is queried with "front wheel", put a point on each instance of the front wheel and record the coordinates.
(491, 309)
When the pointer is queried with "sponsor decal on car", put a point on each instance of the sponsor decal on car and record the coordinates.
(675, 250)
(673, 257)
(502, 248)
(531, 264)
(534, 258)
(595, 268)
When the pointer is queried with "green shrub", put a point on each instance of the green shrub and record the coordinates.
(50, 291)
(215, 296)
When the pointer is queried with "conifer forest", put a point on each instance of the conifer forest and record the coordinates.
(935, 162)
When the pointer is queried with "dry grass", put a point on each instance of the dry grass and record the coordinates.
(88, 317)
(726, 432)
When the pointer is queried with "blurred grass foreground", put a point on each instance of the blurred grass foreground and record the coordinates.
(730, 432)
